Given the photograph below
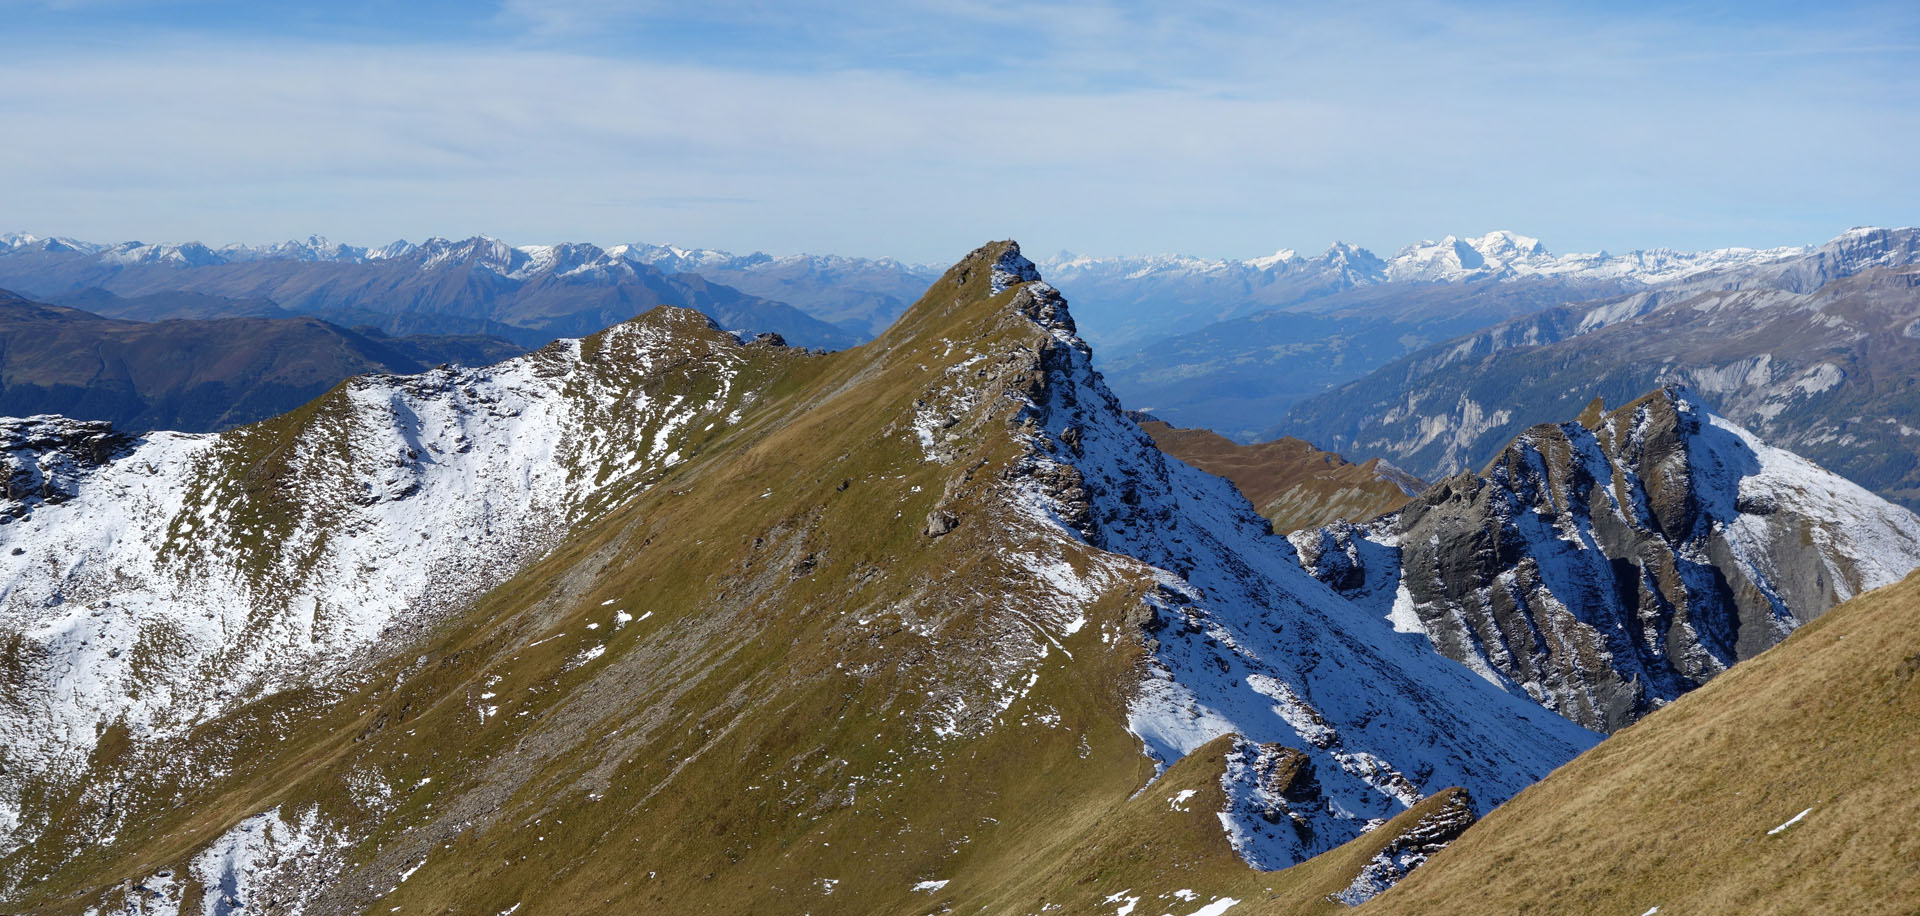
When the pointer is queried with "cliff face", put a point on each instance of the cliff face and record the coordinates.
(1605, 567)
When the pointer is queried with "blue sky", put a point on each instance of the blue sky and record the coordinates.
(918, 130)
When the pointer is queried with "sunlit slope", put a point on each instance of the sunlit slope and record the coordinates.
(1693, 809)
(1292, 483)
(854, 650)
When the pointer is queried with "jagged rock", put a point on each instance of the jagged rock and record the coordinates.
(940, 522)
(1605, 567)
(1284, 778)
(45, 458)
(1411, 849)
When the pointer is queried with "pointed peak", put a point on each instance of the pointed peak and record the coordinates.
(1282, 256)
(1673, 395)
(674, 320)
(976, 294)
(1595, 412)
(1011, 268)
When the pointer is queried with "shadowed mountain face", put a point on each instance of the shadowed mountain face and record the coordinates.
(1292, 483)
(195, 375)
(476, 286)
(162, 306)
(1238, 376)
(1605, 567)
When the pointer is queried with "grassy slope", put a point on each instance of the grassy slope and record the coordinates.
(1292, 483)
(1675, 811)
(764, 728)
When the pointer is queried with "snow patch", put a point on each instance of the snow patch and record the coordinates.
(1790, 822)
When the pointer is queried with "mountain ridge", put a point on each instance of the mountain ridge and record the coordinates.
(983, 571)
(1292, 483)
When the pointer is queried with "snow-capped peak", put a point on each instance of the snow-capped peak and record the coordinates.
(398, 248)
(1270, 261)
(1496, 254)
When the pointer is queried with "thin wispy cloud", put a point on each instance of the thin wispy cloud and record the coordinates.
(918, 130)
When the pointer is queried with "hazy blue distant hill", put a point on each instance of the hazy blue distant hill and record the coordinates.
(530, 294)
(196, 375)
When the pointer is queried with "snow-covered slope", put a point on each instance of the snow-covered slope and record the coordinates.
(154, 584)
(21, 241)
(1245, 643)
(1607, 566)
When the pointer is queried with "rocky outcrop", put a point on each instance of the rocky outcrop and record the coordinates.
(1411, 849)
(45, 457)
(1606, 567)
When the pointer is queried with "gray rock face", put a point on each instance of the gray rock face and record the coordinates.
(1605, 567)
(43, 458)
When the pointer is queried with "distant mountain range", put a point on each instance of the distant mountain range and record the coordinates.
(1131, 299)
(530, 294)
(1290, 332)
(1819, 353)
(861, 295)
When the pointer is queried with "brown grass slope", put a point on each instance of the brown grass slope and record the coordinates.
(1292, 483)
(760, 736)
(1677, 810)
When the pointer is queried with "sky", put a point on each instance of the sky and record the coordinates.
(920, 129)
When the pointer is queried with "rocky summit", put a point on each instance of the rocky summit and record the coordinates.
(1605, 566)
